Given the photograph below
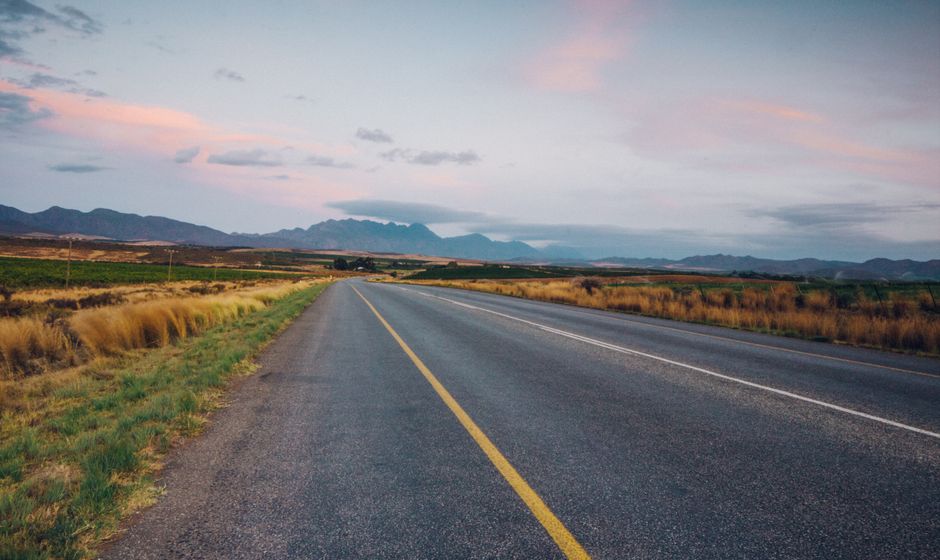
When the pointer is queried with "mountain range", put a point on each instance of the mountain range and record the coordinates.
(367, 235)
(873, 269)
(363, 235)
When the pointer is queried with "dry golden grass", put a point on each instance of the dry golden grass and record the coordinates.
(29, 345)
(898, 324)
(130, 292)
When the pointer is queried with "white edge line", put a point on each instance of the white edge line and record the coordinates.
(623, 350)
(626, 317)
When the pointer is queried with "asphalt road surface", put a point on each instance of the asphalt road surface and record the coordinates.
(414, 422)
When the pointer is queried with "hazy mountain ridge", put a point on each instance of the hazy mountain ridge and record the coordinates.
(873, 269)
(365, 235)
(109, 223)
(368, 235)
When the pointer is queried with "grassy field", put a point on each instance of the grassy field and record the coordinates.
(34, 273)
(903, 319)
(79, 447)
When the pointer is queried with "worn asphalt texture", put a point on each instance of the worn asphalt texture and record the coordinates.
(339, 448)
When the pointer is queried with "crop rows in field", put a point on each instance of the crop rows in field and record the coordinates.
(35, 273)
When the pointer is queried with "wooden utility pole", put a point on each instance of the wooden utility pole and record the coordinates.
(169, 267)
(68, 265)
(215, 268)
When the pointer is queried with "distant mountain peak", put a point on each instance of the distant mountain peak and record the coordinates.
(389, 237)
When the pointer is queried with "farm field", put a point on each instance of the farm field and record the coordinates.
(34, 273)
(36, 262)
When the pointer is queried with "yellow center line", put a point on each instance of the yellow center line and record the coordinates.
(559, 533)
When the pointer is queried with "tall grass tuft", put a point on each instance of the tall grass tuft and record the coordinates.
(27, 344)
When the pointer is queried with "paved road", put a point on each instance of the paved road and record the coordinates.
(501, 428)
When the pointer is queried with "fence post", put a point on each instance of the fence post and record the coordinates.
(881, 301)
(68, 266)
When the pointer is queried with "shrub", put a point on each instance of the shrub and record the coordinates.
(101, 300)
(587, 284)
(62, 303)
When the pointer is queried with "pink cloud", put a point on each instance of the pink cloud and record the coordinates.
(151, 129)
(576, 63)
(775, 110)
(160, 132)
(752, 135)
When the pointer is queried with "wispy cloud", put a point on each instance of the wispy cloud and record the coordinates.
(226, 74)
(77, 168)
(406, 212)
(159, 43)
(245, 158)
(838, 215)
(40, 80)
(23, 12)
(325, 161)
(8, 50)
(433, 157)
(20, 19)
(75, 19)
(186, 155)
(15, 110)
(373, 135)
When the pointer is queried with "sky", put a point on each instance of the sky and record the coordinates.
(639, 129)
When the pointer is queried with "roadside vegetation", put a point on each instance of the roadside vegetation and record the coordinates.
(902, 317)
(79, 445)
(102, 325)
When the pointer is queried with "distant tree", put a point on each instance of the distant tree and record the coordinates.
(340, 264)
(452, 264)
(366, 263)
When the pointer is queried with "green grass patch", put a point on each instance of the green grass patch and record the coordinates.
(74, 458)
(38, 273)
